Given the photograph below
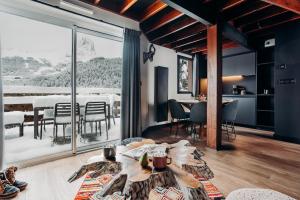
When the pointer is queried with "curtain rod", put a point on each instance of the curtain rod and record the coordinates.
(69, 11)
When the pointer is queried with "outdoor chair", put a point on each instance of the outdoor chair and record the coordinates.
(95, 112)
(229, 113)
(198, 117)
(178, 114)
(62, 116)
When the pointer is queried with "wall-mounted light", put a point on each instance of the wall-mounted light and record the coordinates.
(231, 78)
(76, 8)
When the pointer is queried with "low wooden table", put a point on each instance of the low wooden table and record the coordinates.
(137, 182)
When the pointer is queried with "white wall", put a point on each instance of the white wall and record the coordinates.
(163, 57)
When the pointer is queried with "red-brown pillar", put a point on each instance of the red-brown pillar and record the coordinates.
(214, 86)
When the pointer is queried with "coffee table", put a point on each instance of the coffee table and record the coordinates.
(137, 182)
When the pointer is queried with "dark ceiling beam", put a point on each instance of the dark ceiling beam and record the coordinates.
(152, 10)
(171, 28)
(203, 49)
(232, 3)
(182, 34)
(197, 11)
(244, 10)
(191, 46)
(270, 23)
(203, 14)
(269, 12)
(126, 5)
(161, 21)
(196, 38)
(291, 5)
(234, 35)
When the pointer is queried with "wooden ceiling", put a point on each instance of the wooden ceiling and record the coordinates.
(176, 24)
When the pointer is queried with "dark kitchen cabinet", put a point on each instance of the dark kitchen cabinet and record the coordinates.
(241, 64)
(246, 114)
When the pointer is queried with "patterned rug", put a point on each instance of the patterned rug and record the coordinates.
(90, 187)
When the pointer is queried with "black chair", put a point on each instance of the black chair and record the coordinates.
(198, 117)
(178, 114)
(229, 113)
(95, 112)
(62, 116)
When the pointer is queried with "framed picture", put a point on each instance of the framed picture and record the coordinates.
(184, 75)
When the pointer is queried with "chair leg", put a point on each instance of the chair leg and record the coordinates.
(64, 132)
(100, 127)
(106, 129)
(96, 128)
(44, 125)
(41, 129)
(177, 124)
(227, 130)
(171, 126)
(91, 126)
(113, 117)
(233, 129)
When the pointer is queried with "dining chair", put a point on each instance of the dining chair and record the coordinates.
(229, 113)
(198, 117)
(177, 114)
(95, 112)
(62, 116)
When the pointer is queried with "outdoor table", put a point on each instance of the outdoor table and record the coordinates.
(48, 102)
(14, 118)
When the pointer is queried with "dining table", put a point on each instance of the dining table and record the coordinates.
(188, 103)
(48, 102)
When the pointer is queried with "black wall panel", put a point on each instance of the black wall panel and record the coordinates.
(161, 93)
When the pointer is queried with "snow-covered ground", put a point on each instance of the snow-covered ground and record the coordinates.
(26, 147)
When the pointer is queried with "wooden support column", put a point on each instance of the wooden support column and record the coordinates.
(214, 84)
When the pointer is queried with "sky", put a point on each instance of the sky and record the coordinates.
(29, 38)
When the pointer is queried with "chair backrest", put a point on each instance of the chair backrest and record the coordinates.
(229, 111)
(64, 110)
(95, 108)
(176, 110)
(198, 113)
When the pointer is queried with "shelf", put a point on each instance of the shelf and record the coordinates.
(266, 63)
(265, 126)
(261, 110)
(265, 95)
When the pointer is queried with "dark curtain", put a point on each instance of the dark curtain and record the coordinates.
(131, 87)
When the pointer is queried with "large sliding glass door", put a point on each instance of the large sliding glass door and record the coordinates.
(98, 87)
(36, 66)
(38, 63)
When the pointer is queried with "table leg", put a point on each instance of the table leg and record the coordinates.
(36, 122)
(21, 130)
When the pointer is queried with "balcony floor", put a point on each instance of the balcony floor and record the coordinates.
(26, 147)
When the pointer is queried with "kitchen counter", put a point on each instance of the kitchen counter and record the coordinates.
(239, 95)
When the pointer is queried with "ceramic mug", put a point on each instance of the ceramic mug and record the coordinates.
(161, 161)
(109, 152)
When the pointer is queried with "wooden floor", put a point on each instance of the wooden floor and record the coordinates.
(249, 161)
